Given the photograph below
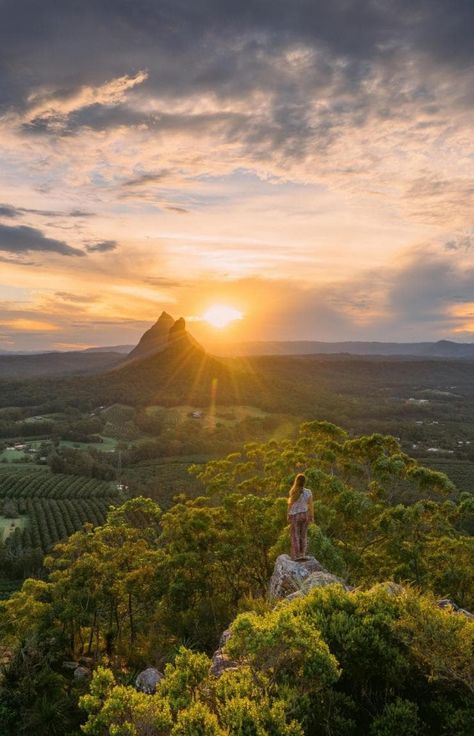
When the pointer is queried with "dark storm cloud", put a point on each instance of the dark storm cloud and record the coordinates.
(104, 246)
(23, 239)
(229, 49)
(417, 299)
(425, 290)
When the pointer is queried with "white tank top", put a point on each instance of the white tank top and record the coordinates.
(301, 505)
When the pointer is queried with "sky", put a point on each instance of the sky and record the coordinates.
(308, 164)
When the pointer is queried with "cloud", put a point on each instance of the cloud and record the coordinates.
(29, 325)
(461, 241)
(104, 246)
(50, 108)
(17, 261)
(148, 177)
(343, 93)
(163, 282)
(75, 298)
(306, 137)
(9, 210)
(175, 208)
(424, 290)
(24, 239)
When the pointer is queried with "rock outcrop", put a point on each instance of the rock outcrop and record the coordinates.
(81, 673)
(220, 661)
(292, 578)
(448, 603)
(147, 680)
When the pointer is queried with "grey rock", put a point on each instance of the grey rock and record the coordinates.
(81, 673)
(318, 580)
(220, 661)
(147, 680)
(292, 577)
(448, 603)
(225, 636)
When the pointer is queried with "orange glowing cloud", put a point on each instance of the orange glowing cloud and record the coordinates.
(29, 325)
(465, 314)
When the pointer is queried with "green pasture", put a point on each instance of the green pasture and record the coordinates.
(18, 457)
(107, 445)
(11, 456)
(210, 416)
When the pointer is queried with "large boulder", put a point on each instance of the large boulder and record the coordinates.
(147, 680)
(292, 578)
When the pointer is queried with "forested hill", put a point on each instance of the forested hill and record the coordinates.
(294, 384)
(51, 364)
(179, 371)
(439, 349)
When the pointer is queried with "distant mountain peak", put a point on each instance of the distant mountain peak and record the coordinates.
(155, 339)
(164, 333)
(177, 329)
(164, 316)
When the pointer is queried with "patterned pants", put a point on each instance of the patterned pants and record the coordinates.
(299, 534)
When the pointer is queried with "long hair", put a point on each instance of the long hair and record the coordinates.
(296, 489)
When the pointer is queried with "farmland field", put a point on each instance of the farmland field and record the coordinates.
(227, 416)
(11, 455)
(461, 472)
(41, 508)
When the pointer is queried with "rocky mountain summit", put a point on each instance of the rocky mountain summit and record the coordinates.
(155, 339)
(165, 332)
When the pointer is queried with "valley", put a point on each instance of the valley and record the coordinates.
(67, 452)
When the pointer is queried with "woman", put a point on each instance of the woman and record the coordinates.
(300, 515)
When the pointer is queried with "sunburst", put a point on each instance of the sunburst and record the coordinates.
(221, 315)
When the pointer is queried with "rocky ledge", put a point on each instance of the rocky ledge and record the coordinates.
(292, 578)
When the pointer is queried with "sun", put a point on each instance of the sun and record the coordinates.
(221, 315)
